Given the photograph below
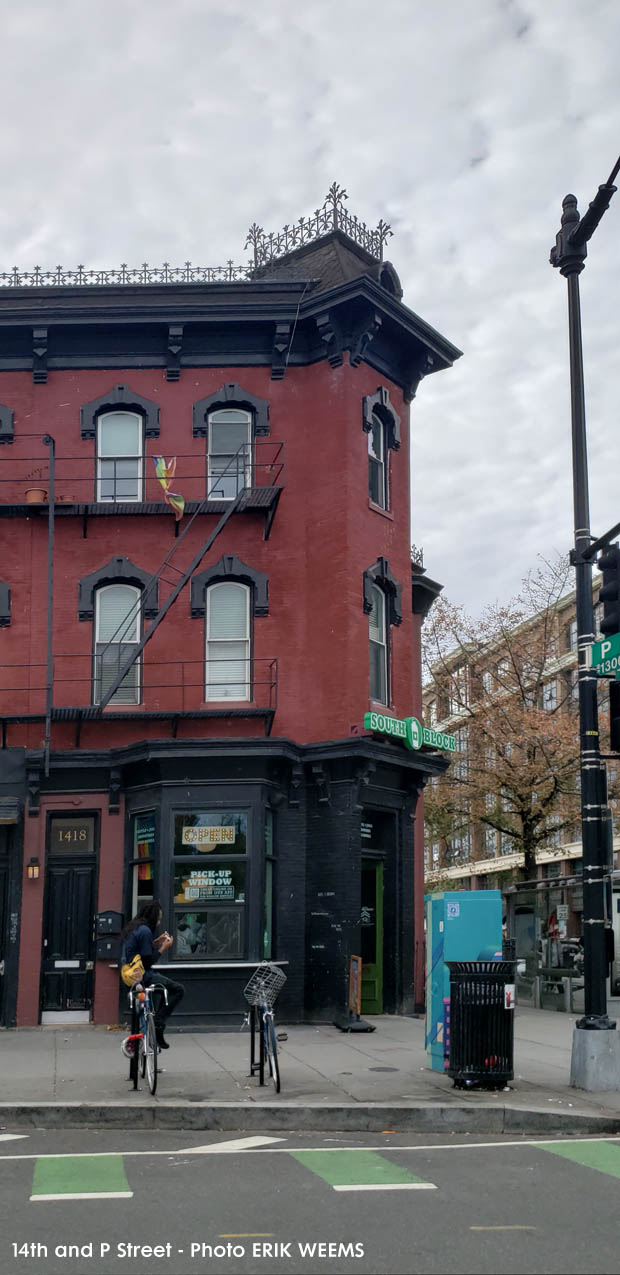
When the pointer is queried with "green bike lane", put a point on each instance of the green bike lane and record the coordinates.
(383, 1203)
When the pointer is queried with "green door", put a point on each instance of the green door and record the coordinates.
(372, 937)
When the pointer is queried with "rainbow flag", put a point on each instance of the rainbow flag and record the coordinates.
(165, 472)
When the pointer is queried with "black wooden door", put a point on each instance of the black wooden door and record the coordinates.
(4, 883)
(68, 936)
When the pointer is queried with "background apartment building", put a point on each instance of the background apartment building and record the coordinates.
(505, 699)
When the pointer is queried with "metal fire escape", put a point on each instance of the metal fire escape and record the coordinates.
(236, 466)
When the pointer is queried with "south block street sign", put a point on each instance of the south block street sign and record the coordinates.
(410, 730)
(604, 656)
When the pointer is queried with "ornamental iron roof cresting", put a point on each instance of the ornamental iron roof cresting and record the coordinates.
(333, 215)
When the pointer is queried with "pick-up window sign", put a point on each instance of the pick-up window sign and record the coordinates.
(410, 730)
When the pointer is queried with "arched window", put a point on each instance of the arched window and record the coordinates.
(378, 463)
(227, 664)
(382, 424)
(229, 452)
(119, 456)
(117, 632)
(378, 642)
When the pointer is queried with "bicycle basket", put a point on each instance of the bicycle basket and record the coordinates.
(264, 985)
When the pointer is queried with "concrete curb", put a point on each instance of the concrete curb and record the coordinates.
(295, 1117)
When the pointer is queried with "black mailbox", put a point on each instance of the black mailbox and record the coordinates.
(108, 949)
(109, 922)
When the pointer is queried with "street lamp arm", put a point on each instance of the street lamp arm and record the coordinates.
(586, 227)
(569, 251)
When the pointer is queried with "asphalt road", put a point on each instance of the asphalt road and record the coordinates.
(387, 1203)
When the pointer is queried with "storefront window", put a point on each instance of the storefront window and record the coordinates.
(211, 934)
(208, 831)
(209, 884)
(143, 859)
(193, 883)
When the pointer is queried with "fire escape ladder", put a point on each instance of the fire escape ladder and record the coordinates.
(163, 610)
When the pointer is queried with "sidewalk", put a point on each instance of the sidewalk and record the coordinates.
(351, 1081)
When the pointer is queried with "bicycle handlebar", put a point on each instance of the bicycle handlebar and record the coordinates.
(147, 991)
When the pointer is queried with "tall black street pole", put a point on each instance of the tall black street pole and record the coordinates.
(569, 256)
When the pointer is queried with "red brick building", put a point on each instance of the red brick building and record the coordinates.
(213, 755)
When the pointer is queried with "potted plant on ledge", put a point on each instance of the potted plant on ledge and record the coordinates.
(36, 495)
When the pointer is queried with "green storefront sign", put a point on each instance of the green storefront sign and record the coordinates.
(410, 730)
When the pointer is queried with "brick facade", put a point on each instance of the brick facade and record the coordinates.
(302, 755)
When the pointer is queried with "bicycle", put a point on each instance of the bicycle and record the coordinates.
(261, 993)
(141, 1045)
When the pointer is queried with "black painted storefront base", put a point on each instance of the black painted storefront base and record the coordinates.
(307, 811)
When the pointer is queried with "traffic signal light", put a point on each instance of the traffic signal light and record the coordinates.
(609, 565)
(614, 716)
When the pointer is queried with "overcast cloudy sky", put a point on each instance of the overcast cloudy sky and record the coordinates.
(148, 131)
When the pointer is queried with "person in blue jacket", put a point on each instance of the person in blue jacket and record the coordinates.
(139, 939)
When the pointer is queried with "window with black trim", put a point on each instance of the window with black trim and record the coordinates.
(229, 596)
(382, 603)
(230, 420)
(378, 463)
(120, 450)
(382, 424)
(142, 864)
(229, 452)
(118, 616)
(119, 421)
(378, 643)
(227, 659)
(209, 885)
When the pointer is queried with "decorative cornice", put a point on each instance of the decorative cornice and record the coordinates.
(114, 791)
(39, 356)
(33, 779)
(120, 396)
(364, 771)
(420, 368)
(295, 784)
(281, 342)
(330, 333)
(424, 591)
(364, 333)
(321, 778)
(174, 351)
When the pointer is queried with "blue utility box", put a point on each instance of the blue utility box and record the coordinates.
(461, 925)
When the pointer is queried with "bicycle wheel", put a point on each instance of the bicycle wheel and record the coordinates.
(134, 1060)
(150, 1053)
(271, 1050)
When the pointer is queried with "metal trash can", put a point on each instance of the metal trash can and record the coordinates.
(482, 998)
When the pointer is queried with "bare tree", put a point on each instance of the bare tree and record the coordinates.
(502, 683)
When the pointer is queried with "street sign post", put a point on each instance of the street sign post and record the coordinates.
(604, 656)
